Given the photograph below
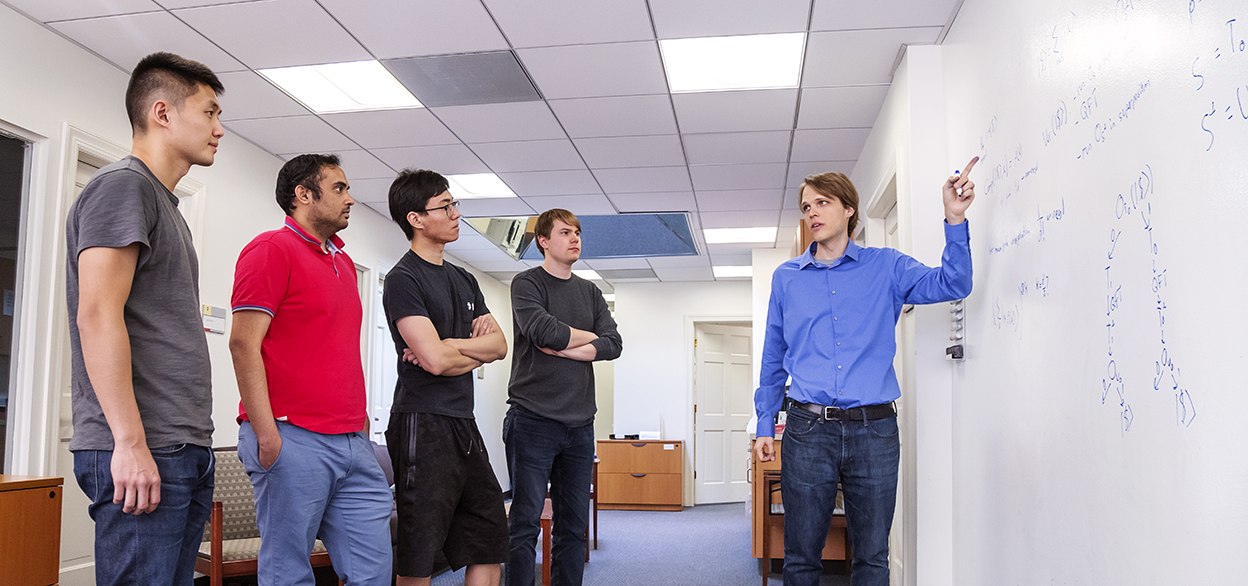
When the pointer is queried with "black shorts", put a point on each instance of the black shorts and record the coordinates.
(448, 497)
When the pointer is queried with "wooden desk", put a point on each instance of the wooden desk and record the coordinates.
(641, 475)
(835, 548)
(30, 530)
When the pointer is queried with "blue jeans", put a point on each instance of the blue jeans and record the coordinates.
(862, 456)
(541, 450)
(157, 547)
(326, 485)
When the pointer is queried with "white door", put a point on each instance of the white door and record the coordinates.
(385, 371)
(724, 405)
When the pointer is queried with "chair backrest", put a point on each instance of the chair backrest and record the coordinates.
(238, 499)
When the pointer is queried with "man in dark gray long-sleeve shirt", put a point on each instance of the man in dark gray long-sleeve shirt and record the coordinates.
(562, 325)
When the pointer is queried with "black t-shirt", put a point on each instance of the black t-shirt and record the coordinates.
(450, 297)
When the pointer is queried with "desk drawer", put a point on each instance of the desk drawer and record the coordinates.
(639, 489)
(639, 457)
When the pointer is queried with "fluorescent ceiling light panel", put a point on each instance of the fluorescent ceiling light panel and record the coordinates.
(738, 235)
(749, 62)
(479, 186)
(587, 274)
(343, 87)
(727, 272)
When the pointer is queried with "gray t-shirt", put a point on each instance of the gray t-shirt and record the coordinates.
(121, 205)
(543, 307)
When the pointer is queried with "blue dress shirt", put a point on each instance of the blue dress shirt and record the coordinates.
(831, 326)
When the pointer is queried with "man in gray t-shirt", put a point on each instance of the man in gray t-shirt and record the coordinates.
(142, 386)
(562, 325)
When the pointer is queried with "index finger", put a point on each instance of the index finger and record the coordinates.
(969, 166)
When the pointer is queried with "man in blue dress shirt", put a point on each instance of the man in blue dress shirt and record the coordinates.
(830, 326)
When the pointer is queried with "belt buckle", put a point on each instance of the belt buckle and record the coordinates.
(828, 410)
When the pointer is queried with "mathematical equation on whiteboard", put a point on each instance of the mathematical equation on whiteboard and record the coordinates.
(1133, 216)
(1226, 91)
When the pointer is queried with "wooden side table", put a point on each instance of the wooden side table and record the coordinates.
(30, 530)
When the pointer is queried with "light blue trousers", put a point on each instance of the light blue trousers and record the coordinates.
(326, 486)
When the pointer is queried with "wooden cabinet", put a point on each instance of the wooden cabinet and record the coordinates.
(30, 530)
(640, 475)
(833, 549)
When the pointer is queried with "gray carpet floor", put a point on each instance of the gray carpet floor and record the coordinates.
(707, 545)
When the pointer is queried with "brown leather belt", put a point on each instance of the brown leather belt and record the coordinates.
(863, 413)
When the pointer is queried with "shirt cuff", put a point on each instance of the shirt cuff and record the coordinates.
(238, 308)
(958, 232)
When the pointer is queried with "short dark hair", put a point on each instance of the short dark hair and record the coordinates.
(302, 170)
(411, 192)
(546, 223)
(165, 75)
(835, 185)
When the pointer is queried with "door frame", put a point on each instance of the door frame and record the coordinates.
(687, 491)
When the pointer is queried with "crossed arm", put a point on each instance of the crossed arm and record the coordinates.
(451, 356)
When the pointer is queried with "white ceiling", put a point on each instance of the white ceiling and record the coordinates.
(608, 137)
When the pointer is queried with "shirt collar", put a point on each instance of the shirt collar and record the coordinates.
(808, 258)
(335, 243)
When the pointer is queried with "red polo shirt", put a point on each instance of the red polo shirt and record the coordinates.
(312, 349)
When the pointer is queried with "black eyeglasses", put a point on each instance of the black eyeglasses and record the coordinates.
(453, 205)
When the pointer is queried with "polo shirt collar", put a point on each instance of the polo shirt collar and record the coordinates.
(335, 243)
(852, 250)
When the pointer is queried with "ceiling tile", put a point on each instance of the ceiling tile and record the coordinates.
(459, 80)
(748, 219)
(392, 128)
(372, 191)
(501, 122)
(271, 34)
(545, 183)
(402, 28)
(840, 15)
(608, 264)
(631, 151)
(737, 200)
(791, 197)
(732, 177)
(738, 147)
(447, 159)
(836, 144)
(378, 207)
(659, 201)
(571, 22)
(125, 40)
(689, 274)
(359, 164)
(841, 107)
(481, 254)
(643, 179)
(581, 205)
(674, 19)
(45, 11)
(798, 172)
(534, 155)
(591, 71)
(616, 116)
(679, 262)
(790, 218)
(294, 134)
(736, 111)
(733, 255)
(495, 266)
(873, 51)
(248, 95)
(470, 239)
(484, 208)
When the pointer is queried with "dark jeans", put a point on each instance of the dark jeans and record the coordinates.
(541, 450)
(862, 456)
(157, 547)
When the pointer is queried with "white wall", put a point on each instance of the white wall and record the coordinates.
(909, 139)
(652, 377)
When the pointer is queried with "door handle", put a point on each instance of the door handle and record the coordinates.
(638, 475)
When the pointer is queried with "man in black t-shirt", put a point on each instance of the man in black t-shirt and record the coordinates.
(447, 495)
(561, 325)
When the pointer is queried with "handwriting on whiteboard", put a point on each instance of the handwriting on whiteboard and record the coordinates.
(1228, 102)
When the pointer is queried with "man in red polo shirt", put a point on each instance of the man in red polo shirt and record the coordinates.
(304, 428)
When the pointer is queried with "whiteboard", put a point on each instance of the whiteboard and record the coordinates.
(1099, 435)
